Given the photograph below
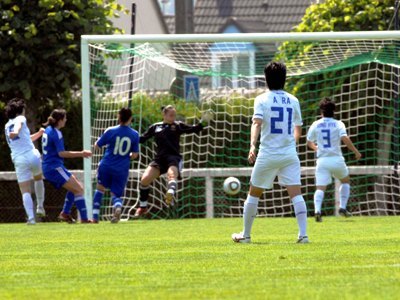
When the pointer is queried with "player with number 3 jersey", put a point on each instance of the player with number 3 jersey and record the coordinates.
(325, 137)
(277, 116)
(122, 144)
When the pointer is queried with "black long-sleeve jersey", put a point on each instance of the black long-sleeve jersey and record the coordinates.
(167, 136)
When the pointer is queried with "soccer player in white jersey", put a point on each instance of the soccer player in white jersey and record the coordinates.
(25, 157)
(277, 116)
(324, 137)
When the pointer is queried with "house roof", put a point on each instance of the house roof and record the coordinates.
(212, 16)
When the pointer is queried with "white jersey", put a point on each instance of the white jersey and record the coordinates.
(22, 143)
(327, 134)
(280, 113)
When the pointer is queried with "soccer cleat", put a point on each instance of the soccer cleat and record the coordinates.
(117, 215)
(169, 198)
(318, 217)
(31, 222)
(94, 221)
(86, 221)
(239, 238)
(344, 213)
(63, 217)
(40, 212)
(140, 212)
(303, 240)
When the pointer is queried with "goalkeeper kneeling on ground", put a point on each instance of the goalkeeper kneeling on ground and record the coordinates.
(168, 158)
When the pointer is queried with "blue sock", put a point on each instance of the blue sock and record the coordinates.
(69, 201)
(81, 206)
(98, 197)
(117, 202)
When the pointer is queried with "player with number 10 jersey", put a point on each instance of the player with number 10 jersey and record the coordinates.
(122, 144)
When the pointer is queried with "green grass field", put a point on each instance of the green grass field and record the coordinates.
(357, 258)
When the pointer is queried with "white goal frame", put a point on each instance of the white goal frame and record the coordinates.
(201, 38)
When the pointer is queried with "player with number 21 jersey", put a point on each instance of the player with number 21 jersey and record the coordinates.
(280, 112)
(277, 117)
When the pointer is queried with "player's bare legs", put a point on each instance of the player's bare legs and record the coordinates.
(75, 187)
(25, 188)
(172, 175)
(100, 187)
(148, 177)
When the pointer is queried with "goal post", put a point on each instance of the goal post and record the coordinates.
(224, 73)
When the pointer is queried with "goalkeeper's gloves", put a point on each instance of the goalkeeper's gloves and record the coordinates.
(204, 123)
(207, 116)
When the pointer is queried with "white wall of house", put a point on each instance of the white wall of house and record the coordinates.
(147, 17)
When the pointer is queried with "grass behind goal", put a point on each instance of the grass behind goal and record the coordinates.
(357, 258)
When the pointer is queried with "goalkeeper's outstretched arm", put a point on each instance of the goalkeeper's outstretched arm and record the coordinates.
(147, 135)
(185, 128)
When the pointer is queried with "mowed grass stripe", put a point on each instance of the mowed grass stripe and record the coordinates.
(171, 259)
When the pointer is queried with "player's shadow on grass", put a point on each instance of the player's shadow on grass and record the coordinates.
(346, 220)
(262, 243)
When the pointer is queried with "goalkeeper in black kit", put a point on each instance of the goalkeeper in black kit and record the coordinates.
(168, 158)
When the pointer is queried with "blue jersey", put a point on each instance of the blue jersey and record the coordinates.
(52, 143)
(120, 142)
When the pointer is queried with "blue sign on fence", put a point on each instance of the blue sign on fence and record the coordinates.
(191, 88)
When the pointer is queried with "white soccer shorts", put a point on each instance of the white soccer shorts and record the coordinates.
(286, 167)
(27, 165)
(330, 166)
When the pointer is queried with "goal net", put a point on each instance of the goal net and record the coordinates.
(223, 74)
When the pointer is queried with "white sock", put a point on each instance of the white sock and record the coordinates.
(39, 191)
(28, 205)
(300, 210)
(318, 198)
(249, 214)
(344, 192)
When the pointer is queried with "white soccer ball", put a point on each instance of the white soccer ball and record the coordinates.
(231, 186)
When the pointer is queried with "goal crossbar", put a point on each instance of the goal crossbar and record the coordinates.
(242, 37)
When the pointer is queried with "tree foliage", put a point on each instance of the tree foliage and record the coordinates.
(40, 52)
(350, 15)
(40, 44)
(339, 15)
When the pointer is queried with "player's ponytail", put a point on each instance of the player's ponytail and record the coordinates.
(55, 116)
(327, 107)
(15, 107)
